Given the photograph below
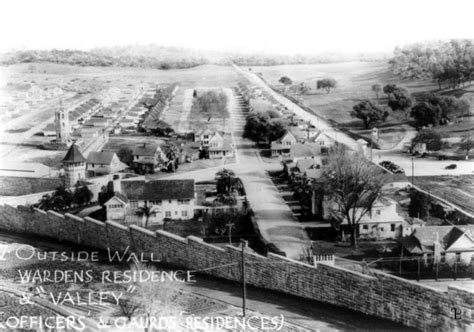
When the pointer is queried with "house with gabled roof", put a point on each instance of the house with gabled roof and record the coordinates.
(220, 146)
(282, 146)
(167, 199)
(104, 162)
(147, 157)
(450, 244)
(320, 138)
(382, 221)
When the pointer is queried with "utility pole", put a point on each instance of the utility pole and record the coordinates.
(230, 225)
(244, 290)
(412, 170)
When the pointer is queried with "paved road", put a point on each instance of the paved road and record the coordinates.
(422, 166)
(274, 218)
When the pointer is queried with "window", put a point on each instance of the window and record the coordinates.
(169, 201)
(381, 229)
(180, 202)
(392, 227)
(443, 257)
(187, 202)
(184, 213)
(134, 204)
(168, 214)
(458, 257)
(365, 227)
(377, 212)
(175, 213)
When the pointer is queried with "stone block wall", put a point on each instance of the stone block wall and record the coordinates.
(377, 294)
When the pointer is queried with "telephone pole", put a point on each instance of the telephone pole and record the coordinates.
(244, 290)
(230, 225)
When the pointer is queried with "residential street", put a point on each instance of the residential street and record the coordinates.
(274, 218)
(422, 166)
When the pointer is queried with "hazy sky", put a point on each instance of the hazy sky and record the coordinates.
(297, 26)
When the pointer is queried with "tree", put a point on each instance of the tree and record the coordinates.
(448, 106)
(352, 183)
(275, 130)
(326, 84)
(286, 81)
(304, 193)
(419, 204)
(256, 127)
(145, 211)
(172, 153)
(227, 182)
(389, 88)
(106, 193)
(125, 155)
(431, 138)
(399, 99)
(376, 88)
(426, 114)
(82, 195)
(212, 103)
(467, 144)
(368, 112)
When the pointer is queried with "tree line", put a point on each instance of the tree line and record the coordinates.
(450, 63)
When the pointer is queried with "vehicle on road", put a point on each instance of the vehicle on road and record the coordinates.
(392, 167)
(452, 166)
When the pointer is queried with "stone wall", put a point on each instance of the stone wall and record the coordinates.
(377, 294)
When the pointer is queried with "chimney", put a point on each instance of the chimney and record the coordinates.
(436, 249)
(117, 186)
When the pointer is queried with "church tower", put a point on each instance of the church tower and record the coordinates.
(61, 121)
(74, 165)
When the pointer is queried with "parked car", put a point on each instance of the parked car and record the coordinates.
(452, 166)
(392, 167)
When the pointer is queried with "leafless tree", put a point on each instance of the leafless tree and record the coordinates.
(352, 184)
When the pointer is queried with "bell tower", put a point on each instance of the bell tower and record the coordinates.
(61, 121)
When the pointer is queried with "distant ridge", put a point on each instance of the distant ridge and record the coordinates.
(161, 57)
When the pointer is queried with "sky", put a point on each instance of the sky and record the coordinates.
(262, 26)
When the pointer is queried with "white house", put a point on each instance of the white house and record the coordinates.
(283, 145)
(167, 199)
(220, 147)
(105, 162)
(147, 157)
(381, 222)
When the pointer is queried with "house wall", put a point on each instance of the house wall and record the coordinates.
(171, 206)
(382, 230)
(378, 294)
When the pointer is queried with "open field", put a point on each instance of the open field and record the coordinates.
(354, 82)
(104, 77)
(458, 190)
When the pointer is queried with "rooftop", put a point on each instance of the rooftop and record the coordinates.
(158, 189)
(104, 157)
(74, 155)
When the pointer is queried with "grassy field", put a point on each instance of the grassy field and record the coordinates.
(104, 77)
(458, 190)
(354, 82)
